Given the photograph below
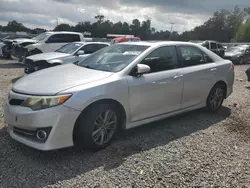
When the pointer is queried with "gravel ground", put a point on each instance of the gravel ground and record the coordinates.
(196, 149)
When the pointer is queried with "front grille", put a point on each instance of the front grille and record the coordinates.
(35, 66)
(19, 51)
(16, 102)
(24, 132)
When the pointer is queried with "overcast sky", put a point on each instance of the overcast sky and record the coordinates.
(185, 14)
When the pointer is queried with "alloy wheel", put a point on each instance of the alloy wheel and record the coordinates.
(104, 127)
(216, 98)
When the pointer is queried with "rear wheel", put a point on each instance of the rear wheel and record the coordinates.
(216, 98)
(96, 127)
(241, 61)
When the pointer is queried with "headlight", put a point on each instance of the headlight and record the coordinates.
(236, 56)
(42, 102)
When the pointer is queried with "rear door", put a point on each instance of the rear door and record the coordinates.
(199, 74)
(221, 50)
(159, 91)
(214, 47)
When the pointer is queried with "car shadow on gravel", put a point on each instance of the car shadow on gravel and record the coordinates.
(15, 79)
(10, 65)
(22, 166)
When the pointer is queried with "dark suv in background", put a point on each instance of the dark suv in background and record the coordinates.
(214, 47)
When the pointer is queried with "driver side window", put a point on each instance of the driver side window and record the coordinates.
(161, 59)
(88, 49)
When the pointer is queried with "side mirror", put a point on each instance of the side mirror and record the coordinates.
(142, 69)
(80, 52)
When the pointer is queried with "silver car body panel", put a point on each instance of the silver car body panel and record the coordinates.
(145, 99)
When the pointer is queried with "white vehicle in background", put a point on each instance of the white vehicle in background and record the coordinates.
(69, 53)
(45, 42)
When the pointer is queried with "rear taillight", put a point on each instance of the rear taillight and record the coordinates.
(232, 66)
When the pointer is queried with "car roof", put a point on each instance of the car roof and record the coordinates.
(158, 43)
(84, 42)
(62, 32)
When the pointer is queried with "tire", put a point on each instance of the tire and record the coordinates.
(241, 62)
(89, 130)
(216, 98)
(5, 52)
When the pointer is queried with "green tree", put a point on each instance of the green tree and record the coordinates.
(63, 27)
(14, 26)
(135, 27)
(99, 18)
(243, 34)
(125, 28)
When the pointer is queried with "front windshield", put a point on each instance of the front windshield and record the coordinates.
(113, 58)
(235, 50)
(41, 36)
(4, 38)
(69, 48)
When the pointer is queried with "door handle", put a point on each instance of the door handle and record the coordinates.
(213, 69)
(179, 76)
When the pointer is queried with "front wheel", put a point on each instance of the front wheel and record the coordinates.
(96, 127)
(241, 61)
(215, 98)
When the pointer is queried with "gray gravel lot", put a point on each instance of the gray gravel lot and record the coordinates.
(196, 149)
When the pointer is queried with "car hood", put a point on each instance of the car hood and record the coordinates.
(48, 56)
(21, 40)
(231, 54)
(56, 79)
(1, 44)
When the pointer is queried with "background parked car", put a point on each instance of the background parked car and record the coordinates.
(125, 39)
(214, 47)
(69, 53)
(238, 54)
(121, 86)
(6, 43)
(45, 42)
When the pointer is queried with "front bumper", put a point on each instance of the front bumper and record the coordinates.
(59, 119)
(18, 51)
(33, 66)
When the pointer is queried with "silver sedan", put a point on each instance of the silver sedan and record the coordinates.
(119, 87)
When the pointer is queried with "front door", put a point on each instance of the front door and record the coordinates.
(199, 74)
(159, 91)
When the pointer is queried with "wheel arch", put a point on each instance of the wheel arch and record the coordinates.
(224, 85)
(122, 124)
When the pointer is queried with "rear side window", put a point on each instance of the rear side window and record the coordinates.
(72, 38)
(57, 38)
(193, 56)
(100, 46)
(64, 38)
(162, 59)
(220, 46)
(213, 46)
(89, 48)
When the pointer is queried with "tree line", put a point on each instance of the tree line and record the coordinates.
(223, 26)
